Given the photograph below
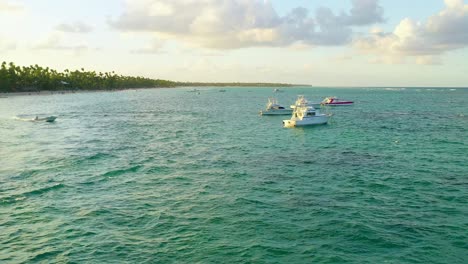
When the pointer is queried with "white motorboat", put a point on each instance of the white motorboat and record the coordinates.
(302, 101)
(274, 108)
(29, 118)
(49, 119)
(333, 101)
(305, 115)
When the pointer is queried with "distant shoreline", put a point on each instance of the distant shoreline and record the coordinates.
(47, 92)
(8, 94)
(50, 92)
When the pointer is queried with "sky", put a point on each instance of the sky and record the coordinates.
(322, 43)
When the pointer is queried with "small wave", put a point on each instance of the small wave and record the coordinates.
(11, 199)
(44, 190)
(25, 174)
(158, 169)
(99, 156)
(23, 196)
(115, 173)
(45, 255)
(23, 119)
(93, 158)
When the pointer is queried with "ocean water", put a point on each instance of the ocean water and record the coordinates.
(171, 176)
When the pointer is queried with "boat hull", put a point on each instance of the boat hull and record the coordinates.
(340, 104)
(314, 105)
(277, 112)
(49, 119)
(316, 120)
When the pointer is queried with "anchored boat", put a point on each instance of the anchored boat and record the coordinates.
(333, 101)
(301, 100)
(305, 115)
(274, 108)
(49, 119)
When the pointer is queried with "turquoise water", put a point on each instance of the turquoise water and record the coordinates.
(169, 176)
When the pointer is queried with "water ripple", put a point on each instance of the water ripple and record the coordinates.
(165, 176)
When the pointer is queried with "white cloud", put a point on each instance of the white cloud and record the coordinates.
(365, 12)
(442, 32)
(229, 24)
(6, 45)
(55, 42)
(154, 47)
(10, 6)
(428, 60)
(76, 27)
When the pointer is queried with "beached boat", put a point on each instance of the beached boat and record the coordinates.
(305, 115)
(274, 108)
(333, 101)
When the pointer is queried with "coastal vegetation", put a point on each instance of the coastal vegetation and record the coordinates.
(35, 78)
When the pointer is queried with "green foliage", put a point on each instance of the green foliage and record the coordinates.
(35, 78)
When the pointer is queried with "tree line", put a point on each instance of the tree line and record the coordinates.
(35, 78)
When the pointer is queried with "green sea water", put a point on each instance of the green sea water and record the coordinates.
(171, 176)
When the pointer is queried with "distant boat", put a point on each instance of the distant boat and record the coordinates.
(222, 90)
(333, 101)
(276, 90)
(274, 108)
(305, 115)
(30, 118)
(49, 119)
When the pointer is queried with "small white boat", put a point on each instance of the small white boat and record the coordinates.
(274, 108)
(49, 119)
(305, 115)
(302, 101)
(333, 101)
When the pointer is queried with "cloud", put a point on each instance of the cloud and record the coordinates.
(365, 12)
(154, 47)
(54, 42)
(6, 45)
(342, 57)
(10, 6)
(231, 24)
(442, 32)
(76, 27)
(428, 60)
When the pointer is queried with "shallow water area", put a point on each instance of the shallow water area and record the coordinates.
(166, 175)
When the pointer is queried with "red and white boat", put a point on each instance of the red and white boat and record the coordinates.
(335, 101)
